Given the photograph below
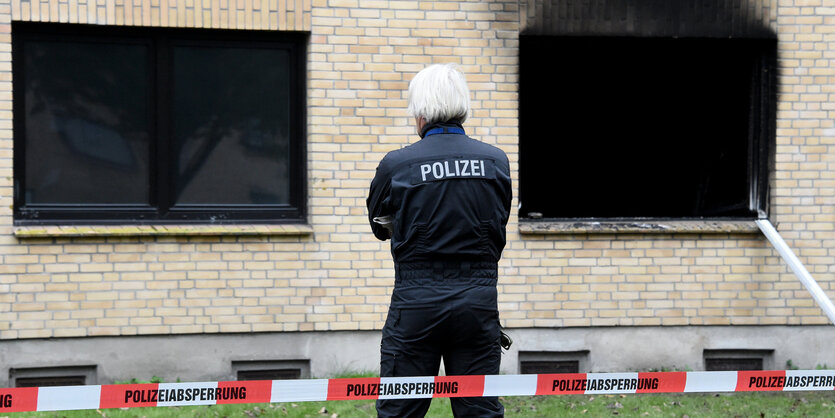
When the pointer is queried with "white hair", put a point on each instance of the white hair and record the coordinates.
(439, 93)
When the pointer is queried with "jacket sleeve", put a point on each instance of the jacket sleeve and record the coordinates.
(509, 193)
(378, 200)
(505, 186)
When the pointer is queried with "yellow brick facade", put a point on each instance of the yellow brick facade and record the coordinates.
(333, 274)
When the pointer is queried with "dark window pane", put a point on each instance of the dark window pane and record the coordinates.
(86, 123)
(231, 126)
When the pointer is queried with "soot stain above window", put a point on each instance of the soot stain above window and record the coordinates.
(654, 18)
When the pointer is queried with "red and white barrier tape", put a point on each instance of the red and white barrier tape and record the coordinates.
(210, 393)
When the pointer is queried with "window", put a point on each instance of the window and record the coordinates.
(645, 127)
(132, 125)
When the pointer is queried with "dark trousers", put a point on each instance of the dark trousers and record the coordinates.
(463, 329)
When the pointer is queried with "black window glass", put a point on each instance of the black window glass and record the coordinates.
(231, 125)
(87, 136)
(157, 125)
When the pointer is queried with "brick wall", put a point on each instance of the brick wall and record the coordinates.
(362, 54)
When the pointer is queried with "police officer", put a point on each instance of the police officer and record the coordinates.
(444, 203)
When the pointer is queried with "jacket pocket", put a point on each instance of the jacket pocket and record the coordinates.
(488, 239)
(421, 238)
(388, 363)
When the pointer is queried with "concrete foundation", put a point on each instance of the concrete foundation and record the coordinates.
(210, 357)
(205, 357)
(617, 349)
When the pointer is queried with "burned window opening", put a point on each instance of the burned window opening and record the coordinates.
(645, 127)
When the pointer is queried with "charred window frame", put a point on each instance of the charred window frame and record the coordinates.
(244, 164)
(600, 136)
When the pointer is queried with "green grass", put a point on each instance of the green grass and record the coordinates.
(800, 404)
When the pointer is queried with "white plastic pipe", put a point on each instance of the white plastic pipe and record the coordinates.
(798, 268)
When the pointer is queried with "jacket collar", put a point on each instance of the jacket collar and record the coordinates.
(441, 125)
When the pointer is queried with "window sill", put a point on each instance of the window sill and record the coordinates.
(647, 226)
(74, 231)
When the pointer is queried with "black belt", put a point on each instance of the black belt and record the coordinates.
(447, 270)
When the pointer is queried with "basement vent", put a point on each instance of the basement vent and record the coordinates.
(732, 360)
(532, 362)
(548, 367)
(271, 374)
(733, 364)
(52, 376)
(32, 382)
(271, 369)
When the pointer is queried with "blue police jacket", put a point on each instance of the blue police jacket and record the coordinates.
(449, 197)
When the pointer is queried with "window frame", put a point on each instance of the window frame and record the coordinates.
(161, 208)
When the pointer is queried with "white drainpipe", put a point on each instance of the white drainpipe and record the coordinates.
(797, 267)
